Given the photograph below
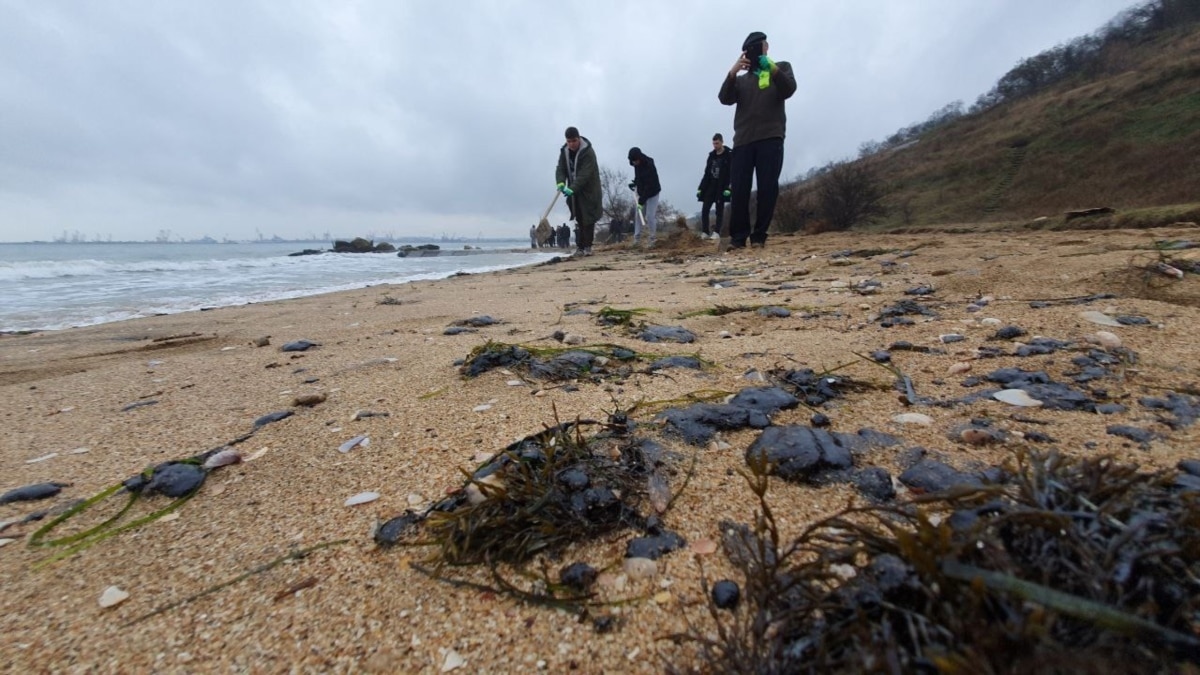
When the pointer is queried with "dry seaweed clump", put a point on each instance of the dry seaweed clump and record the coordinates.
(1072, 566)
(539, 495)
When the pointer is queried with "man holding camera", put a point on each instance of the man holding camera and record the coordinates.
(645, 184)
(578, 178)
(758, 86)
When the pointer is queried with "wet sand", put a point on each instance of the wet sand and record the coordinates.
(364, 609)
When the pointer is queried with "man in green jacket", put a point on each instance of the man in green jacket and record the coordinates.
(578, 178)
(758, 86)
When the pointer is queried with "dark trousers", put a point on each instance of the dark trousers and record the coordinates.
(762, 160)
(720, 204)
(584, 233)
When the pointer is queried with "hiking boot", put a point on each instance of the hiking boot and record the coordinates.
(587, 251)
(578, 253)
(758, 244)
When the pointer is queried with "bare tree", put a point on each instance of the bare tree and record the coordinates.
(850, 194)
(618, 198)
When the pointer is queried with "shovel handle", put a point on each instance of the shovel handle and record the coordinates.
(549, 208)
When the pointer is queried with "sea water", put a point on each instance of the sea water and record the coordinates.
(49, 286)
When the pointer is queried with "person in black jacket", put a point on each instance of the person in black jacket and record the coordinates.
(759, 87)
(714, 186)
(645, 183)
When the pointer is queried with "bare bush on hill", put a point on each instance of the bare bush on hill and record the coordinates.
(850, 194)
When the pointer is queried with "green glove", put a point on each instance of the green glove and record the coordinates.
(725, 194)
(699, 194)
(567, 192)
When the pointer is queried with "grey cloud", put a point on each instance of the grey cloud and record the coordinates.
(223, 117)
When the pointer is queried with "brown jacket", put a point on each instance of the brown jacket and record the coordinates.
(759, 112)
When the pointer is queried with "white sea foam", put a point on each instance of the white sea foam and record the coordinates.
(45, 288)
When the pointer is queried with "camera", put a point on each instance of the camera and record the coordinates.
(753, 51)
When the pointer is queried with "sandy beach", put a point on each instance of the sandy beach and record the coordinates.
(357, 607)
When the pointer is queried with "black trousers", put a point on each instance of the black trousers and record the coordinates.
(720, 204)
(762, 160)
(586, 232)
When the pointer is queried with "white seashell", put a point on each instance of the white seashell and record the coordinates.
(453, 661)
(990, 321)
(1107, 340)
(43, 458)
(223, 458)
(112, 596)
(256, 454)
(80, 451)
(844, 571)
(573, 339)
(515, 383)
(913, 418)
(1099, 318)
(362, 498)
(640, 568)
(481, 407)
(415, 499)
(1016, 397)
(958, 368)
(6, 541)
(353, 443)
(174, 515)
(839, 284)
(724, 335)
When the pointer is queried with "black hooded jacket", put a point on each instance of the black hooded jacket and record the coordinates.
(645, 177)
(716, 176)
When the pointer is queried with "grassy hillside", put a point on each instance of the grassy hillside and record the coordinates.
(1128, 138)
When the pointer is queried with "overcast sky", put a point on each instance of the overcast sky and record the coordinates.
(294, 117)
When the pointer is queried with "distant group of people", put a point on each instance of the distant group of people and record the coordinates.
(545, 235)
(758, 87)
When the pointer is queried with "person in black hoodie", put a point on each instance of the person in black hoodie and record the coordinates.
(645, 183)
(714, 186)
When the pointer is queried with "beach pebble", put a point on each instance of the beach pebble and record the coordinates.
(223, 458)
(977, 436)
(726, 594)
(1099, 318)
(453, 661)
(415, 499)
(362, 498)
(1107, 340)
(573, 339)
(958, 368)
(349, 445)
(1016, 397)
(482, 407)
(640, 568)
(112, 596)
(913, 418)
(515, 383)
(6, 541)
(704, 547)
(951, 337)
(32, 492)
(308, 400)
(724, 335)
